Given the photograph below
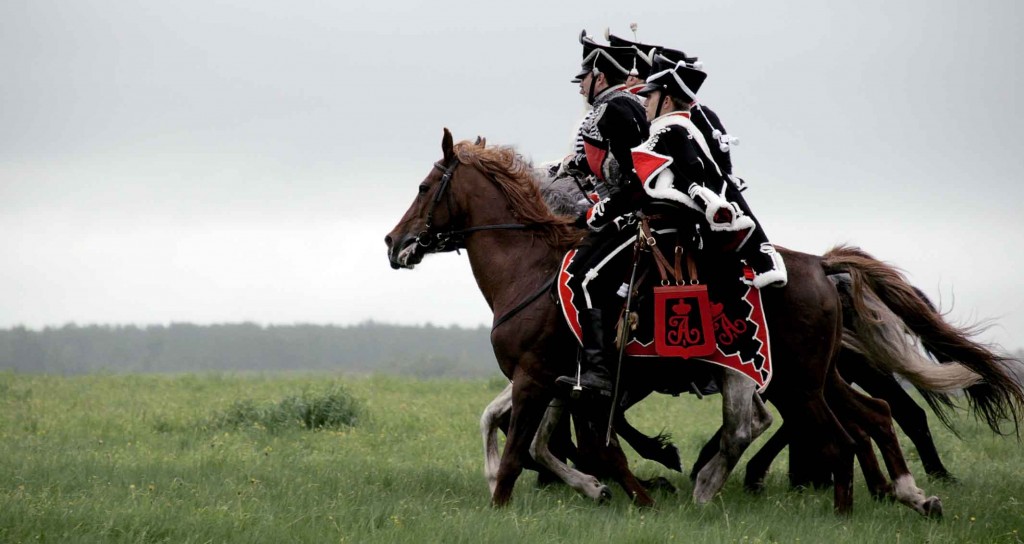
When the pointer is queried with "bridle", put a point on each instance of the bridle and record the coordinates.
(452, 239)
(437, 240)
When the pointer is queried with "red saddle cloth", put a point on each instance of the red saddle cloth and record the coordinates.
(722, 323)
(682, 321)
(734, 335)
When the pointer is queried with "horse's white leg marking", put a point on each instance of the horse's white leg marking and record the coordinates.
(584, 483)
(498, 408)
(738, 431)
(906, 491)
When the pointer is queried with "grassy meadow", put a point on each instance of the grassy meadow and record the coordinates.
(130, 458)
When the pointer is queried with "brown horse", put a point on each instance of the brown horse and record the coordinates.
(492, 208)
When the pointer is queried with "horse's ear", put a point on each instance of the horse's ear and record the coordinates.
(481, 141)
(447, 145)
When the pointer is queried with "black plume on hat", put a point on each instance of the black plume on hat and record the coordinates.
(603, 58)
(674, 76)
(643, 53)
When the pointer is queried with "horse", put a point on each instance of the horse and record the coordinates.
(493, 210)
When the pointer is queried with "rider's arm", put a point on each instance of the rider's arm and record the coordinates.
(623, 127)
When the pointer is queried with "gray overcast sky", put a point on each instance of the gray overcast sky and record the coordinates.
(242, 160)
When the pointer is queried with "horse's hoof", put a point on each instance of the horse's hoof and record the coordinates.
(932, 508)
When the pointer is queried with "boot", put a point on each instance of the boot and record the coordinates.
(595, 375)
(769, 269)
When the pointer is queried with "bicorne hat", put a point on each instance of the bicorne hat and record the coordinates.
(643, 53)
(603, 58)
(674, 73)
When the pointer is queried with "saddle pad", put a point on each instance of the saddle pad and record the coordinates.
(742, 341)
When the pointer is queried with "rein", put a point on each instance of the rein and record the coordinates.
(526, 302)
(440, 240)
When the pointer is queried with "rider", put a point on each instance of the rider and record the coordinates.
(704, 118)
(615, 124)
(676, 165)
(643, 57)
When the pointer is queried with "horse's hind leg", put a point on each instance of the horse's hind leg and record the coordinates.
(877, 420)
(910, 417)
(843, 401)
(741, 424)
(905, 488)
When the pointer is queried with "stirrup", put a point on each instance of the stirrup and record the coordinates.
(576, 388)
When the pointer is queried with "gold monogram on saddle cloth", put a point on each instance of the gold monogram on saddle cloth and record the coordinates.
(682, 321)
(725, 326)
(738, 332)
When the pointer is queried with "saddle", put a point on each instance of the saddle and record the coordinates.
(703, 314)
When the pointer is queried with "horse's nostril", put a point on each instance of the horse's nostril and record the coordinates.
(387, 240)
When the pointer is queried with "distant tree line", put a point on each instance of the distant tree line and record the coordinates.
(423, 351)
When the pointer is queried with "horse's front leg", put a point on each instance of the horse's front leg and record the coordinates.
(583, 483)
(498, 409)
(744, 418)
(529, 400)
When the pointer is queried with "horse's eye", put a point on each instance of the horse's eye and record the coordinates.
(424, 189)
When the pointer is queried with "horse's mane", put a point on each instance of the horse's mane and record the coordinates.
(514, 177)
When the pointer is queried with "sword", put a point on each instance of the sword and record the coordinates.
(623, 335)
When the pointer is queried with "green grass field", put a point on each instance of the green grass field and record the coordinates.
(144, 459)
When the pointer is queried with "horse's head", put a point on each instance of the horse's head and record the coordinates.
(423, 228)
(475, 188)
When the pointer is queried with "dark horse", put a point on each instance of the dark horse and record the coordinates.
(491, 207)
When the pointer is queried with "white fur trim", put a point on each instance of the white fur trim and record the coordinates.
(774, 278)
(778, 276)
(717, 202)
(660, 185)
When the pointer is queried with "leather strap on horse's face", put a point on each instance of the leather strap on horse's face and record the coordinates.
(438, 241)
(450, 239)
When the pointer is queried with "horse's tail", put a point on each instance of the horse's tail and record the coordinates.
(885, 305)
